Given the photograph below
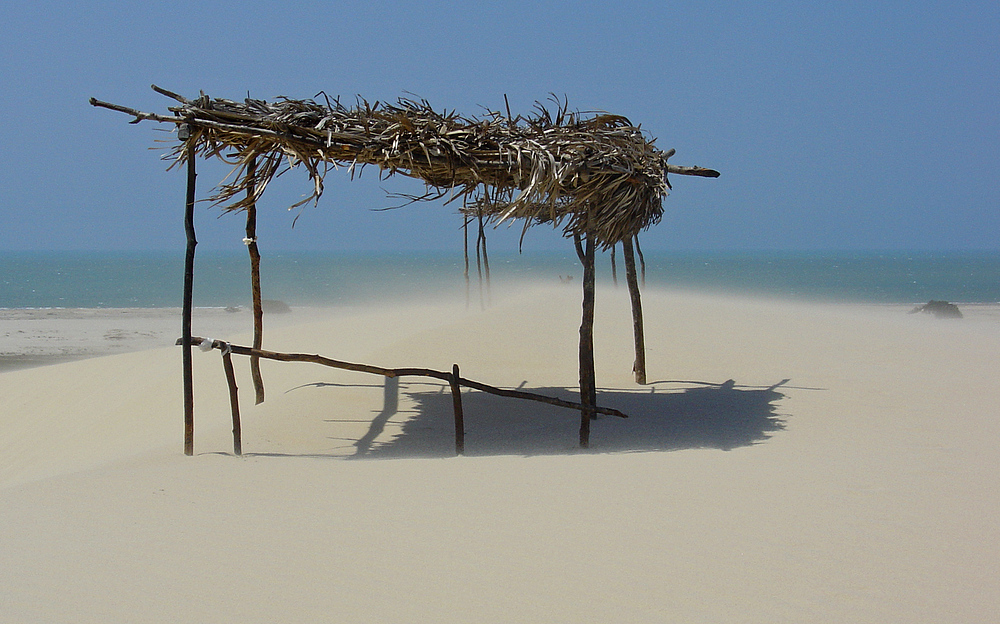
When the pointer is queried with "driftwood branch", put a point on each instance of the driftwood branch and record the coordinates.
(403, 372)
(139, 115)
(530, 396)
(170, 94)
(692, 171)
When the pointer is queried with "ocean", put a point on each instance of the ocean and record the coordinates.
(154, 279)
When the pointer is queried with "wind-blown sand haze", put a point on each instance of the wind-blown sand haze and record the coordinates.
(846, 474)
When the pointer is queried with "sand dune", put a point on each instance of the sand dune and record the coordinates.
(846, 473)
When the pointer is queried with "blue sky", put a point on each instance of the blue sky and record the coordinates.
(836, 125)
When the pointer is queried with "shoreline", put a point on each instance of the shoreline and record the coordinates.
(113, 280)
(33, 337)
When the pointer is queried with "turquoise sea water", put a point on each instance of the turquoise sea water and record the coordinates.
(135, 279)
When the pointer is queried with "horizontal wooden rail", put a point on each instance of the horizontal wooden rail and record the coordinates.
(453, 378)
(398, 372)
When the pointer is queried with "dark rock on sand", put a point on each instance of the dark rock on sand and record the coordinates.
(940, 309)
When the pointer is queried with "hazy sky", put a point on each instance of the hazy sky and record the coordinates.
(836, 125)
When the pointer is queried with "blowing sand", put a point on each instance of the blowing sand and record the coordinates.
(848, 473)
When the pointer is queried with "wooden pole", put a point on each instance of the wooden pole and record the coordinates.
(456, 397)
(642, 261)
(614, 267)
(479, 261)
(486, 260)
(234, 400)
(588, 381)
(481, 248)
(188, 295)
(258, 310)
(639, 367)
(465, 232)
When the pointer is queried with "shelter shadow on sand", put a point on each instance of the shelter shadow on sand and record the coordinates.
(722, 417)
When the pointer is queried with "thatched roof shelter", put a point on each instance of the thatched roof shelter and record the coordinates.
(595, 175)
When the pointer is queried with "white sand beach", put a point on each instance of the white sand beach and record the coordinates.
(847, 473)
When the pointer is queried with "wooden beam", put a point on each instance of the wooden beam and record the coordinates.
(531, 396)
(692, 171)
(139, 115)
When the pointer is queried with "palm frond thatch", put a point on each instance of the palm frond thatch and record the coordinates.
(591, 173)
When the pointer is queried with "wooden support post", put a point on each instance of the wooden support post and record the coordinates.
(614, 268)
(639, 367)
(486, 258)
(234, 400)
(482, 256)
(456, 397)
(642, 261)
(258, 311)
(479, 262)
(465, 232)
(588, 381)
(188, 294)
